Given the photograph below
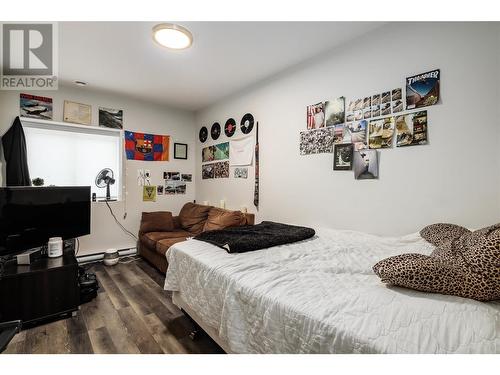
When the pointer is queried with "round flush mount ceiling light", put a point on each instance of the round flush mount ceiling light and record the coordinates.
(172, 36)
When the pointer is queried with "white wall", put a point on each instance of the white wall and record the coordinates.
(138, 116)
(455, 178)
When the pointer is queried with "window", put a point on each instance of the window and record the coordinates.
(73, 155)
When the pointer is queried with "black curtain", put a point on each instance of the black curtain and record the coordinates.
(14, 150)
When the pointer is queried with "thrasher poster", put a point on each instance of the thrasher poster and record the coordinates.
(422, 90)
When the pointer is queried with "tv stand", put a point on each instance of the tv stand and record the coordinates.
(45, 289)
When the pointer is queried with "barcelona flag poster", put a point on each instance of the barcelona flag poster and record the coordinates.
(149, 147)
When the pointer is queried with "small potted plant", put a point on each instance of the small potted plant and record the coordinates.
(37, 181)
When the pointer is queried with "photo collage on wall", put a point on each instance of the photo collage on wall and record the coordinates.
(354, 133)
(174, 183)
(217, 158)
(325, 126)
(219, 169)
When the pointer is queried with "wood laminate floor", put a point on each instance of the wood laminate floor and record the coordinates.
(131, 314)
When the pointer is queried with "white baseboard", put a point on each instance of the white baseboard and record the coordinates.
(100, 256)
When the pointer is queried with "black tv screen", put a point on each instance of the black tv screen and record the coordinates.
(29, 216)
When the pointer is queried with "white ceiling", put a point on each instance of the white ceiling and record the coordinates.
(225, 58)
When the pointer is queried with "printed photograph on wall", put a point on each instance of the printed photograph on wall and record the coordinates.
(375, 99)
(358, 132)
(381, 132)
(411, 129)
(338, 132)
(149, 193)
(159, 189)
(375, 111)
(350, 107)
(316, 141)
(358, 104)
(397, 106)
(208, 154)
(221, 151)
(365, 164)
(397, 94)
(367, 102)
(180, 187)
(316, 116)
(186, 177)
(358, 115)
(385, 97)
(240, 172)
(367, 113)
(34, 106)
(111, 118)
(169, 187)
(422, 90)
(207, 171)
(221, 169)
(335, 111)
(174, 176)
(385, 109)
(349, 116)
(346, 134)
(342, 157)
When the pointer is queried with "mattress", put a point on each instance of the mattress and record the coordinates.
(321, 296)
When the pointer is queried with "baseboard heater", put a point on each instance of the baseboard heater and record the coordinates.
(100, 256)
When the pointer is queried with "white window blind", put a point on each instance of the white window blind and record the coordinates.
(66, 155)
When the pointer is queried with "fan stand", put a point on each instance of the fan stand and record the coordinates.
(108, 195)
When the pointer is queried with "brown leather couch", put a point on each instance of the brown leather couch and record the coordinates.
(160, 230)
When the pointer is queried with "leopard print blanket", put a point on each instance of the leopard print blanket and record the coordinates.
(464, 263)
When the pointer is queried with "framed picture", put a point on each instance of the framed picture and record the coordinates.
(36, 106)
(111, 118)
(342, 157)
(77, 113)
(180, 151)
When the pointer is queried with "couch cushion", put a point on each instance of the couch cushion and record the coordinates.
(219, 218)
(193, 216)
(150, 239)
(163, 245)
(159, 221)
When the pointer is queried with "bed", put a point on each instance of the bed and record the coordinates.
(321, 296)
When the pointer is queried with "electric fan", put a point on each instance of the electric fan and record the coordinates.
(104, 179)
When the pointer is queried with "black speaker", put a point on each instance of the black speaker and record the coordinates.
(88, 286)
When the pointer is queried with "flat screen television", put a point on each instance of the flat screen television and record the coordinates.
(29, 216)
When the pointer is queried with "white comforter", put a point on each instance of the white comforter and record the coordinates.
(321, 296)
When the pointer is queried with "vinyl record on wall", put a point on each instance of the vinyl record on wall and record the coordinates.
(215, 131)
(203, 135)
(230, 127)
(247, 123)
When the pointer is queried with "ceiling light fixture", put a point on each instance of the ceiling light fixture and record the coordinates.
(172, 36)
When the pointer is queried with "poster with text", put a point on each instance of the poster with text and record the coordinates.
(422, 90)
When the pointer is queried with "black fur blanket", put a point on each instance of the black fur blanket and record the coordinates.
(255, 237)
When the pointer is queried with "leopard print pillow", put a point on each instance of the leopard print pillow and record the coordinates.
(437, 234)
(467, 266)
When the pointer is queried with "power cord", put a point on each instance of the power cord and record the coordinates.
(120, 224)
